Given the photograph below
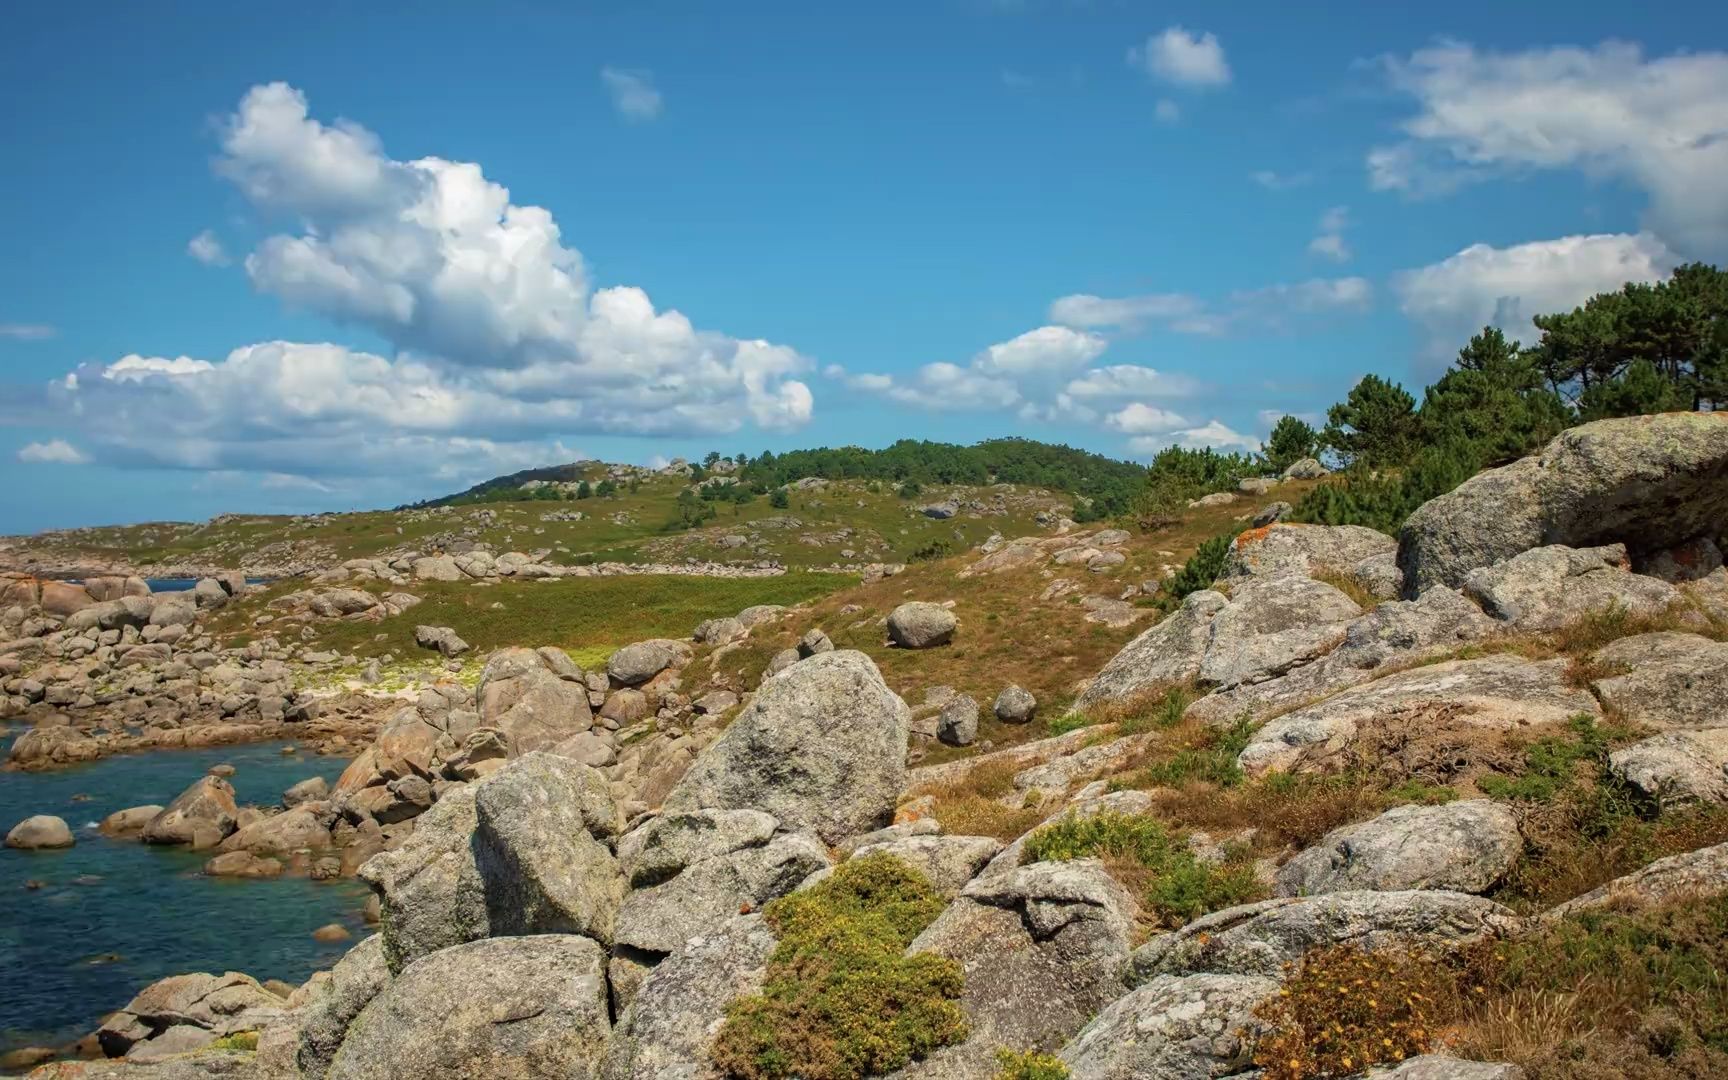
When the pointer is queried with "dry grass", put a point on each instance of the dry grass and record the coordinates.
(973, 806)
(1352, 588)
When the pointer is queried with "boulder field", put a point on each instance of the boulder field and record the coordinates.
(572, 866)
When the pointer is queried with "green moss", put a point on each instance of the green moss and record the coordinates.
(1072, 721)
(1030, 1065)
(1178, 887)
(841, 999)
(240, 1040)
(1551, 763)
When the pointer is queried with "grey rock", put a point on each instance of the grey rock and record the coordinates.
(1650, 482)
(1270, 513)
(430, 890)
(662, 847)
(1379, 576)
(39, 832)
(1304, 469)
(1546, 588)
(1173, 1028)
(720, 631)
(213, 1004)
(445, 640)
(1165, 654)
(1695, 873)
(208, 593)
(1272, 625)
(356, 979)
(1043, 950)
(1694, 560)
(539, 846)
(759, 614)
(311, 789)
(957, 724)
(921, 625)
(530, 702)
(1266, 937)
(660, 918)
(678, 1008)
(813, 642)
(635, 664)
(1286, 548)
(202, 815)
(1465, 846)
(299, 829)
(1677, 766)
(1495, 692)
(514, 1007)
(1666, 680)
(949, 862)
(1444, 1067)
(822, 746)
(1015, 705)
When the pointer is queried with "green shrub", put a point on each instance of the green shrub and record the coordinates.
(1070, 721)
(1551, 763)
(1178, 887)
(1199, 572)
(1030, 1065)
(1212, 761)
(930, 551)
(841, 999)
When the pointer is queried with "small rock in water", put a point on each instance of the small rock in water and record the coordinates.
(105, 958)
(87, 879)
(331, 932)
(81, 797)
(290, 749)
(223, 770)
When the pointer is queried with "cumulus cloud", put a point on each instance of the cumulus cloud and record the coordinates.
(1213, 434)
(53, 452)
(994, 379)
(1182, 58)
(1140, 418)
(499, 337)
(1119, 381)
(1269, 306)
(207, 249)
(1506, 287)
(26, 331)
(1656, 123)
(633, 93)
(1328, 239)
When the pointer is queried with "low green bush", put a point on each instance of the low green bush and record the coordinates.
(841, 1000)
(1030, 1065)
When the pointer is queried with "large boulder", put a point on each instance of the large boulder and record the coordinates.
(356, 979)
(1266, 937)
(540, 845)
(1173, 1028)
(1286, 548)
(202, 815)
(1650, 482)
(1043, 949)
(532, 699)
(822, 747)
(63, 598)
(947, 862)
(512, 1007)
(39, 832)
(430, 890)
(664, 846)
(1272, 625)
(679, 1007)
(209, 1005)
(1694, 873)
(919, 624)
(1546, 588)
(635, 664)
(1677, 766)
(299, 829)
(660, 918)
(1665, 680)
(1163, 655)
(1464, 846)
(1495, 692)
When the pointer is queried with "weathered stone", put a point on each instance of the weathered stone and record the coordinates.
(949, 862)
(512, 1007)
(663, 846)
(431, 892)
(1163, 655)
(813, 642)
(921, 625)
(1173, 1028)
(1649, 482)
(660, 918)
(1271, 625)
(128, 822)
(213, 1004)
(1495, 692)
(442, 638)
(1665, 680)
(242, 864)
(1464, 846)
(1442, 1067)
(1304, 469)
(527, 699)
(720, 631)
(1288, 549)
(1677, 766)
(1546, 588)
(1702, 873)
(1266, 937)
(676, 1011)
(1015, 705)
(39, 832)
(822, 747)
(311, 789)
(957, 723)
(299, 829)
(635, 664)
(202, 815)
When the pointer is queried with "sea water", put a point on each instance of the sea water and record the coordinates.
(84, 929)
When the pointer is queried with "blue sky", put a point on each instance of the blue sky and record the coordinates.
(342, 258)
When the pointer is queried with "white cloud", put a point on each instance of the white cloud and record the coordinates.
(1167, 111)
(1213, 434)
(1276, 181)
(53, 452)
(1139, 418)
(1329, 236)
(1506, 287)
(1269, 306)
(1185, 59)
(500, 341)
(1048, 348)
(944, 387)
(633, 93)
(207, 249)
(1656, 123)
(26, 331)
(994, 379)
(1122, 381)
(1269, 418)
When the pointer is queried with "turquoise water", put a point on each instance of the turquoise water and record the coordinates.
(112, 916)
